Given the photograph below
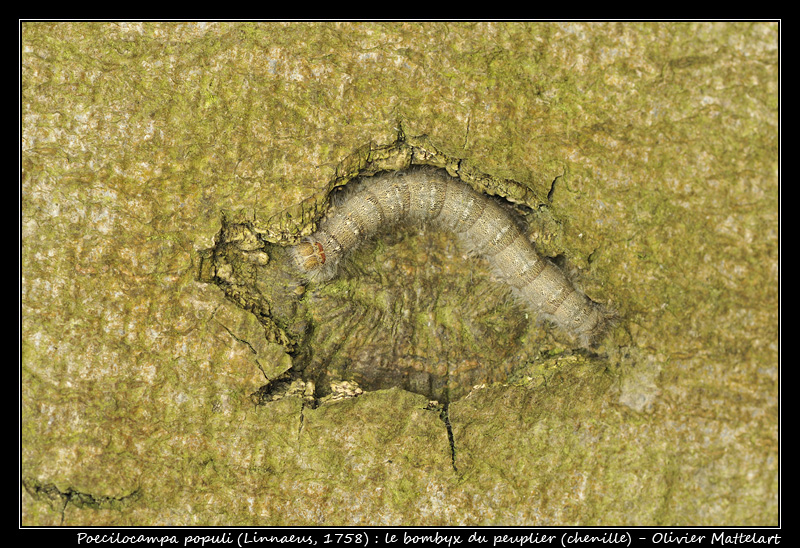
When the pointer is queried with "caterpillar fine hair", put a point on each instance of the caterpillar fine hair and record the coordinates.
(482, 226)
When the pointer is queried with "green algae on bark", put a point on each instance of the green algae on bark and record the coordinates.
(662, 139)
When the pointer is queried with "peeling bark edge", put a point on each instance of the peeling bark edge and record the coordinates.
(299, 220)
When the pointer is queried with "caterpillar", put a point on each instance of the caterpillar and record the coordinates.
(482, 226)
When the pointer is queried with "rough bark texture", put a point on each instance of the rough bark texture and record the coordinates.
(646, 154)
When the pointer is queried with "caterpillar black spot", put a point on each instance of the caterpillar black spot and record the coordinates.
(483, 228)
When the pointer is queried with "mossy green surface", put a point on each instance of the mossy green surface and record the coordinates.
(657, 144)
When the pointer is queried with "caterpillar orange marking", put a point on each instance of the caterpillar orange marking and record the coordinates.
(320, 253)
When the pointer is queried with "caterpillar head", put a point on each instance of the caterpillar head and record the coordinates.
(312, 259)
(309, 255)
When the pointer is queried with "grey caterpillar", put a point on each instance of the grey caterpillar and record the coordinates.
(483, 227)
